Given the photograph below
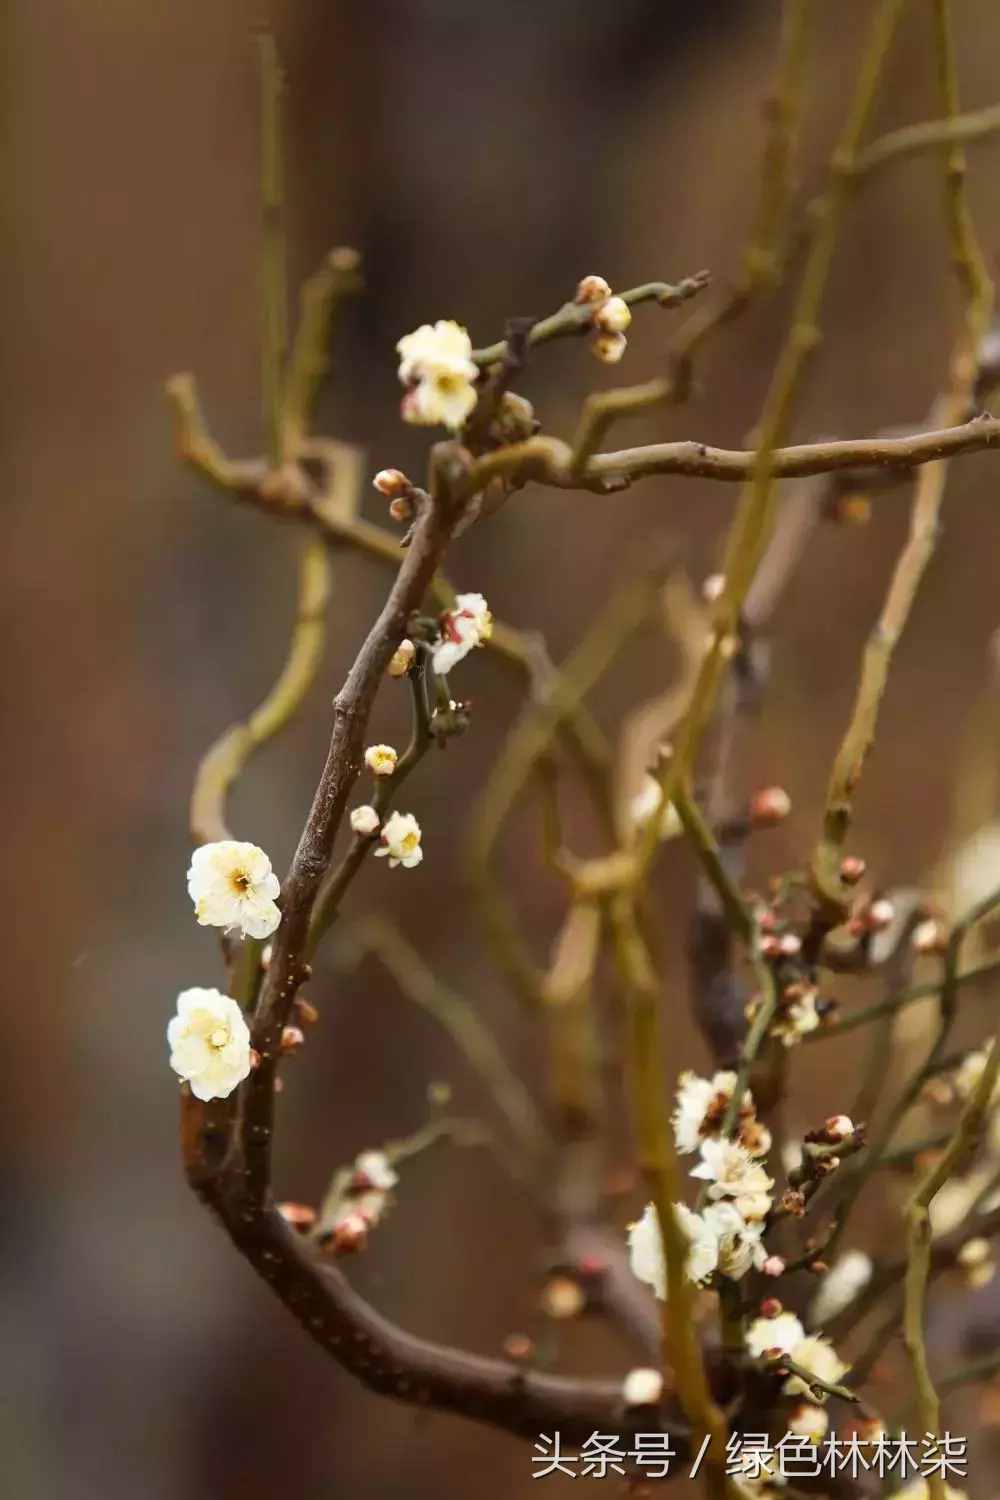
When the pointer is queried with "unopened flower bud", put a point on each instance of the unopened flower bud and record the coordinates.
(974, 1252)
(392, 483)
(852, 510)
(292, 1039)
(401, 509)
(880, 915)
(642, 1387)
(771, 1308)
(562, 1298)
(838, 1128)
(608, 347)
(789, 945)
(713, 587)
(402, 659)
(299, 1215)
(817, 1268)
(773, 1266)
(364, 820)
(613, 316)
(518, 1346)
(350, 1233)
(769, 807)
(930, 937)
(852, 869)
(381, 759)
(306, 1012)
(592, 289)
(793, 1202)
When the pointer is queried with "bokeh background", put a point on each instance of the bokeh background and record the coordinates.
(482, 157)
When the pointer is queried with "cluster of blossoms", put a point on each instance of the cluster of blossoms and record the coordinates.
(726, 1236)
(777, 1333)
(363, 1201)
(610, 318)
(439, 373)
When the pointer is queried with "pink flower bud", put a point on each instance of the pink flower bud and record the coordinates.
(769, 807)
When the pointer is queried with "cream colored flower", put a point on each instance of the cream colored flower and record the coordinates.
(613, 316)
(797, 1018)
(232, 885)
(402, 659)
(841, 1285)
(381, 760)
(647, 802)
(703, 1242)
(401, 841)
(466, 625)
(374, 1167)
(645, 1252)
(364, 819)
(437, 367)
(809, 1421)
(701, 1103)
(784, 1333)
(642, 1387)
(209, 1043)
(731, 1172)
(739, 1243)
(817, 1357)
(975, 869)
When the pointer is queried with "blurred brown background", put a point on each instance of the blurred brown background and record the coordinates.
(482, 157)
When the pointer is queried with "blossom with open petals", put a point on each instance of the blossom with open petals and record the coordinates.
(375, 1170)
(381, 759)
(437, 368)
(785, 1333)
(731, 1172)
(209, 1043)
(401, 841)
(232, 885)
(817, 1357)
(466, 625)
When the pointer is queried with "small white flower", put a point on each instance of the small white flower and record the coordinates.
(642, 1387)
(364, 819)
(375, 1168)
(647, 802)
(209, 1043)
(703, 1240)
(381, 760)
(701, 1102)
(645, 1250)
(739, 1243)
(466, 625)
(402, 659)
(232, 885)
(840, 1285)
(816, 1356)
(436, 365)
(796, 1019)
(809, 1421)
(784, 1332)
(401, 841)
(613, 316)
(731, 1172)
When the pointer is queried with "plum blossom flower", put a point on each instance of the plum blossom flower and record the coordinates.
(817, 1357)
(466, 625)
(645, 1250)
(372, 1169)
(401, 841)
(209, 1043)
(841, 1285)
(785, 1333)
(731, 1172)
(232, 885)
(698, 1101)
(364, 819)
(797, 1017)
(437, 368)
(381, 759)
(809, 1421)
(647, 802)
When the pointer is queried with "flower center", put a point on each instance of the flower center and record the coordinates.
(409, 843)
(219, 1037)
(240, 881)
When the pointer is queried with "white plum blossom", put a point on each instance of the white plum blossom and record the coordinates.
(209, 1043)
(381, 759)
(642, 1387)
(698, 1099)
(401, 841)
(731, 1172)
(647, 802)
(703, 1242)
(840, 1285)
(364, 819)
(785, 1333)
(437, 368)
(645, 1249)
(233, 886)
(739, 1244)
(797, 1018)
(466, 625)
(376, 1171)
(809, 1421)
(817, 1357)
